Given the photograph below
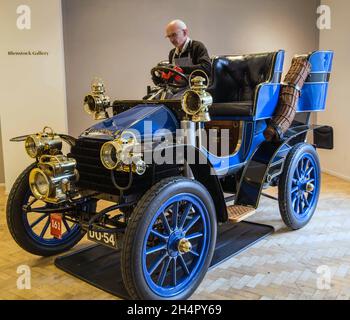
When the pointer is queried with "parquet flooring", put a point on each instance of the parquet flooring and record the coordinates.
(311, 263)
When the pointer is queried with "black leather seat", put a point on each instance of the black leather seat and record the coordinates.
(234, 79)
(241, 108)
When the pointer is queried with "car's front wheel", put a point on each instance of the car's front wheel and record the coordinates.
(31, 230)
(169, 241)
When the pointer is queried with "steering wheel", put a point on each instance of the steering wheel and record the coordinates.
(156, 73)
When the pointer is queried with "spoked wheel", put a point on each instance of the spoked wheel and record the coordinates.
(170, 240)
(37, 224)
(299, 186)
(32, 230)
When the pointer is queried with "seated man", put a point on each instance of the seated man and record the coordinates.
(171, 77)
(188, 54)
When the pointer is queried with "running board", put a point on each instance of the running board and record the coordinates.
(238, 213)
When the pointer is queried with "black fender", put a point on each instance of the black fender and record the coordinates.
(254, 173)
(203, 172)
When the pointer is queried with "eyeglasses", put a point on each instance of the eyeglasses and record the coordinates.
(173, 35)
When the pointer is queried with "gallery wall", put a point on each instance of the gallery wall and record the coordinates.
(120, 41)
(337, 114)
(32, 87)
(2, 171)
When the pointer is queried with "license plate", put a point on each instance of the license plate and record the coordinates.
(56, 225)
(105, 238)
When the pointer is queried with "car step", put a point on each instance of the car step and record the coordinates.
(239, 213)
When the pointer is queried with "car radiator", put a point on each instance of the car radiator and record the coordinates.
(94, 176)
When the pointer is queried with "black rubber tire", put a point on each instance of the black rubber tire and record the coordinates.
(16, 225)
(131, 264)
(284, 186)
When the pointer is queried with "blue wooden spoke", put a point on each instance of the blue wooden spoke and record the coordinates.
(42, 234)
(185, 214)
(301, 168)
(157, 263)
(194, 235)
(165, 223)
(295, 198)
(194, 253)
(191, 223)
(159, 235)
(38, 208)
(164, 271)
(297, 204)
(66, 224)
(295, 189)
(306, 165)
(183, 264)
(305, 200)
(309, 170)
(39, 220)
(300, 204)
(174, 272)
(156, 248)
(31, 202)
(175, 212)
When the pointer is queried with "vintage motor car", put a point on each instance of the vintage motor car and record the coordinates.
(164, 175)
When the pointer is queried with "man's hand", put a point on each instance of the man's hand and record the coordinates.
(168, 75)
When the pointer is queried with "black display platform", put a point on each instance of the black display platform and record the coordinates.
(100, 265)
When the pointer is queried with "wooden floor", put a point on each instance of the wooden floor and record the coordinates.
(311, 263)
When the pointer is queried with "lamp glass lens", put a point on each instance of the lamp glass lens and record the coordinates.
(193, 102)
(41, 184)
(109, 156)
(31, 147)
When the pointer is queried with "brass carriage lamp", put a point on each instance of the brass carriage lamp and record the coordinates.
(196, 101)
(45, 142)
(97, 102)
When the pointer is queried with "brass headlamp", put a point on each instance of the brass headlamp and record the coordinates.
(54, 178)
(45, 142)
(196, 100)
(122, 154)
(96, 102)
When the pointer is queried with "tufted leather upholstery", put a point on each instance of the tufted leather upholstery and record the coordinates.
(234, 79)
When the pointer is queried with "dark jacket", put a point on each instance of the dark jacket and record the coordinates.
(199, 56)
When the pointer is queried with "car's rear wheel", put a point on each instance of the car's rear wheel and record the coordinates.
(169, 241)
(299, 186)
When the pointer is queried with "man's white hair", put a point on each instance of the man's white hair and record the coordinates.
(179, 23)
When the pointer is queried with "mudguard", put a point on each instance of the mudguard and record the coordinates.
(203, 172)
(254, 173)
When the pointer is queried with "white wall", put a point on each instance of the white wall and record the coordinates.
(2, 172)
(32, 88)
(337, 114)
